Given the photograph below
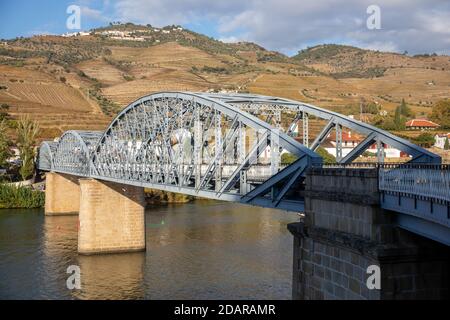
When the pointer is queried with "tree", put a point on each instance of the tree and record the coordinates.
(327, 157)
(288, 158)
(371, 108)
(5, 153)
(447, 144)
(405, 110)
(399, 121)
(27, 131)
(441, 113)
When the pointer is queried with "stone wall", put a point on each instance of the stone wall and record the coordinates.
(345, 231)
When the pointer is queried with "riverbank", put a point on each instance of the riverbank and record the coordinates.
(24, 197)
(20, 197)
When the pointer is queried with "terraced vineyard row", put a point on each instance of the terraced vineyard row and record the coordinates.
(53, 95)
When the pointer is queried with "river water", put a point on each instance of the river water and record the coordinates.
(198, 250)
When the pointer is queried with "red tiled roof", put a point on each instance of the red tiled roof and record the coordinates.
(421, 123)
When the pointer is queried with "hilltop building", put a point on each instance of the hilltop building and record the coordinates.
(76, 34)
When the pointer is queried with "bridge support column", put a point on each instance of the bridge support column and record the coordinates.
(62, 194)
(346, 235)
(112, 218)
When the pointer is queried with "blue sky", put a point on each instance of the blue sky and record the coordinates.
(26, 18)
(416, 26)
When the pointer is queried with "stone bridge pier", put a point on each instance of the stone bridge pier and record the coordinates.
(345, 231)
(62, 194)
(111, 215)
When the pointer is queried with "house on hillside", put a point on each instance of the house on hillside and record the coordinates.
(351, 140)
(439, 140)
(421, 124)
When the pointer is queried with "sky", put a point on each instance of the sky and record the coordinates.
(287, 26)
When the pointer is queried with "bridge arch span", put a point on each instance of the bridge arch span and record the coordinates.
(73, 152)
(191, 143)
(46, 154)
(273, 107)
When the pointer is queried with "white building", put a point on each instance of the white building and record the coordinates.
(76, 34)
(128, 38)
(350, 141)
(115, 33)
(439, 140)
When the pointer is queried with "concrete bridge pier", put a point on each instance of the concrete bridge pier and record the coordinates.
(62, 194)
(345, 233)
(111, 218)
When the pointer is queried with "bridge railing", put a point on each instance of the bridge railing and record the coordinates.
(429, 181)
(424, 180)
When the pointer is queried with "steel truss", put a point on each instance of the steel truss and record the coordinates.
(211, 145)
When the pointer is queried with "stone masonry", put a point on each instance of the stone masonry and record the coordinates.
(62, 194)
(111, 218)
(345, 231)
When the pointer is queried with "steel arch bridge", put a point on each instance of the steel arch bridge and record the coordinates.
(218, 146)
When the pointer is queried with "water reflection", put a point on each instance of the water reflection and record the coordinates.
(200, 250)
(119, 275)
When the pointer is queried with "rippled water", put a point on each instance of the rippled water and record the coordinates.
(199, 250)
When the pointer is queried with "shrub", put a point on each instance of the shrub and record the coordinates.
(219, 70)
(327, 158)
(425, 140)
(13, 197)
(128, 77)
(288, 158)
(5, 153)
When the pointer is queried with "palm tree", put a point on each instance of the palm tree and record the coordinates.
(27, 131)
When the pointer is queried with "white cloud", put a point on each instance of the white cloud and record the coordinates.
(290, 25)
(234, 39)
(381, 46)
(94, 14)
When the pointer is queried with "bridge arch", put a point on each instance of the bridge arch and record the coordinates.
(302, 112)
(46, 154)
(188, 142)
(73, 152)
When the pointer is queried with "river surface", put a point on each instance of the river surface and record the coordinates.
(198, 250)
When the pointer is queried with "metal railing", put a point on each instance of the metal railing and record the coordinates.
(424, 180)
(430, 181)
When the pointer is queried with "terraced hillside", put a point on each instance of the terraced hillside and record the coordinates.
(83, 81)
